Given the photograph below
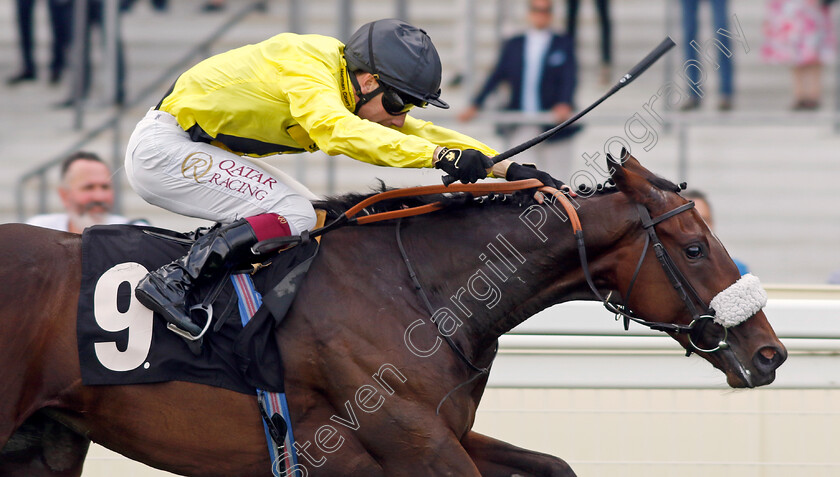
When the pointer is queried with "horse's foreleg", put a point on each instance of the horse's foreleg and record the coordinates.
(495, 458)
(444, 456)
(42, 447)
(33, 465)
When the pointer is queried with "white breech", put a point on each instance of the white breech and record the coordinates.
(196, 179)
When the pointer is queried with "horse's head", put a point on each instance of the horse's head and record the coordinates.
(688, 283)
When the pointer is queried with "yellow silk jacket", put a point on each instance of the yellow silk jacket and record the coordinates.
(292, 93)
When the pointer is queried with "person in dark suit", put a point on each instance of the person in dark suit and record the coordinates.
(603, 7)
(95, 18)
(539, 67)
(61, 15)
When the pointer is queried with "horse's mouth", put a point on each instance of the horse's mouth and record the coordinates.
(760, 371)
(738, 375)
(746, 379)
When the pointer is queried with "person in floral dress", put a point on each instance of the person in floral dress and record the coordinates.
(799, 33)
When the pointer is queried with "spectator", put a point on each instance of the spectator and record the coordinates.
(96, 19)
(701, 204)
(719, 20)
(539, 66)
(603, 7)
(61, 14)
(87, 195)
(800, 33)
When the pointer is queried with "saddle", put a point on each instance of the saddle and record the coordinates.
(122, 342)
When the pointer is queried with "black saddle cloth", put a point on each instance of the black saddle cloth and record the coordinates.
(121, 342)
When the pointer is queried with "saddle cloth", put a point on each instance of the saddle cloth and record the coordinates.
(122, 342)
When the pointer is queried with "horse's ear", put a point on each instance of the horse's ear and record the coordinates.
(630, 162)
(615, 167)
(626, 160)
(628, 180)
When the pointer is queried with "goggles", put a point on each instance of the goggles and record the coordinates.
(396, 103)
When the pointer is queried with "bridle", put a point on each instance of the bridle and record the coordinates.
(701, 313)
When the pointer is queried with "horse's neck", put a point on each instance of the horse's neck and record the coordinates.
(488, 270)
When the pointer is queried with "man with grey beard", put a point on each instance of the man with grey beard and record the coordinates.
(87, 192)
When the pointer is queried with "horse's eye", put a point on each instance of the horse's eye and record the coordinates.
(694, 252)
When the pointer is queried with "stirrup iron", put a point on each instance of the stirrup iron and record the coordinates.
(208, 310)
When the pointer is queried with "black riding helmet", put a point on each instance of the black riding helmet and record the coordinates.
(402, 56)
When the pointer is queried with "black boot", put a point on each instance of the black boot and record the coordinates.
(165, 290)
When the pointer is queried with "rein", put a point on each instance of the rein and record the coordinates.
(517, 185)
(349, 216)
(418, 287)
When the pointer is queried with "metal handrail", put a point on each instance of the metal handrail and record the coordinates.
(114, 121)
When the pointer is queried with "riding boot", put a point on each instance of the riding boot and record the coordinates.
(165, 290)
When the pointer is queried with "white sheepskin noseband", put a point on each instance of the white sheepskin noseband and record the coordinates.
(739, 301)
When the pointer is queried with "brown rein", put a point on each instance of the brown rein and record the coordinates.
(349, 217)
(476, 189)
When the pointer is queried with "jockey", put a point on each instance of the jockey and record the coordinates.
(201, 151)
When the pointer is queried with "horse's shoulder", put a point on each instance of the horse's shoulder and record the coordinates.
(18, 229)
(37, 239)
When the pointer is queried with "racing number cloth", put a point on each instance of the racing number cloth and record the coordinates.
(122, 342)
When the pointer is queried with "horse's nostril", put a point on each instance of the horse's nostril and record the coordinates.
(768, 353)
(769, 358)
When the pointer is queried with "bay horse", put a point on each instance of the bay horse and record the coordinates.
(372, 390)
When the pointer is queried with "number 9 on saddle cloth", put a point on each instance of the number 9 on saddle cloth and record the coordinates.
(122, 342)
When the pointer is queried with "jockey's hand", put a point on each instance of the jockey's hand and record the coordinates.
(466, 165)
(518, 172)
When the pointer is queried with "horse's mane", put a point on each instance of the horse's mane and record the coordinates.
(664, 184)
(337, 205)
(608, 186)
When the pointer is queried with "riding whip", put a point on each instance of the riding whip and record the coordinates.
(631, 75)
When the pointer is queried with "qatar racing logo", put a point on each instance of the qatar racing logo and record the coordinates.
(196, 166)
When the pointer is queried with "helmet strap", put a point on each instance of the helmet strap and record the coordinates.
(364, 98)
(370, 50)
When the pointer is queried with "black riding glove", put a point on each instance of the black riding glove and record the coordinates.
(467, 165)
(518, 172)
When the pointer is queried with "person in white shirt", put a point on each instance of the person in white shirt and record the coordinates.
(87, 193)
(540, 69)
